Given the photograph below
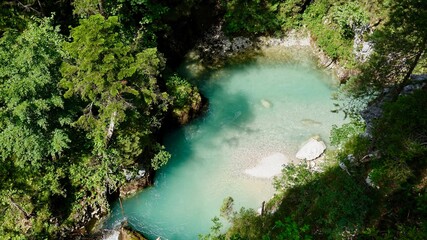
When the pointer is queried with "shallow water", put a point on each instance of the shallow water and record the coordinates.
(258, 117)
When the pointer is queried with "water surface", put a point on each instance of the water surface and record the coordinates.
(259, 113)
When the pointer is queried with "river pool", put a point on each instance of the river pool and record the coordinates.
(259, 115)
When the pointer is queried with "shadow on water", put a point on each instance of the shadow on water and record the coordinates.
(230, 112)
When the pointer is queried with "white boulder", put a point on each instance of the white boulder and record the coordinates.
(311, 150)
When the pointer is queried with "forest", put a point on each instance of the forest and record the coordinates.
(88, 87)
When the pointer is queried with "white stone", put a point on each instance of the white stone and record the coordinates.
(141, 173)
(344, 167)
(265, 103)
(128, 174)
(370, 183)
(311, 150)
(351, 158)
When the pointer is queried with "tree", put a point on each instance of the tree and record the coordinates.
(187, 100)
(15, 14)
(258, 16)
(104, 71)
(394, 60)
(34, 130)
(142, 18)
(124, 104)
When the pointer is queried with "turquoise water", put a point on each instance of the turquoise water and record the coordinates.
(259, 115)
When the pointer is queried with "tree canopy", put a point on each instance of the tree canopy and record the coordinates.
(85, 90)
(34, 127)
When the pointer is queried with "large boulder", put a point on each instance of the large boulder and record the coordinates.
(311, 150)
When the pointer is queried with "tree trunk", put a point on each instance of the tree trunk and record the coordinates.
(416, 60)
(101, 8)
(26, 215)
(407, 77)
(110, 129)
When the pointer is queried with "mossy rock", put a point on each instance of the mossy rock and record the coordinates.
(129, 234)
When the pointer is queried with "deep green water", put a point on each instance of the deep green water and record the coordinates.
(259, 113)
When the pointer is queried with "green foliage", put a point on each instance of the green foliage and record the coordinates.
(33, 129)
(124, 106)
(181, 91)
(333, 203)
(215, 233)
(289, 230)
(11, 18)
(104, 71)
(246, 224)
(394, 61)
(293, 176)
(400, 137)
(58, 157)
(161, 158)
(86, 8)
(227, 208)
(186, 98)
(289, 14)
(349, 17)
(330, 26)
(406, 114)
(340, 135)
(395, 161)
(258, 17)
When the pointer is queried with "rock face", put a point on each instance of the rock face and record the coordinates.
(128, 234)
(362, 49)
(135, 180)
(311, 150)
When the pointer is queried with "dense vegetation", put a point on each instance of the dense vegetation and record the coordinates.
(79, 112)
(374, 184)
(85, 85)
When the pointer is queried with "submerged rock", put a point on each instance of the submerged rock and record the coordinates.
(268, 166)
(310, 122)
(311, 150)
(265, 103)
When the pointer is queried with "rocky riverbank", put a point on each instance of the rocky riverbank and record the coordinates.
(216, 49)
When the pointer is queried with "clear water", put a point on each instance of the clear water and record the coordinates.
(258, 112)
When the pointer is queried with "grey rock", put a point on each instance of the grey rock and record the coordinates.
(141, 174)
(369, 181)
(344, 167)
(128, 174)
